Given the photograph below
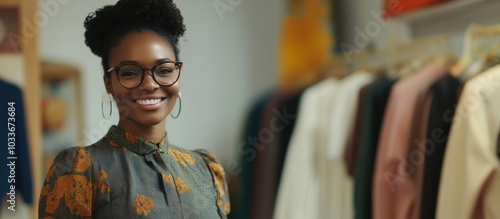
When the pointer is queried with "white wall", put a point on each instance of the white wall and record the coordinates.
(228, 62)
(357, 14)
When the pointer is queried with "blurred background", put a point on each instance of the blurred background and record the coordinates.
(238, 55)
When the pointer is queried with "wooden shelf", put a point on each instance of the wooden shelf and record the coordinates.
(53, 70)
(9, 3)
(443, 10)
(62, 71)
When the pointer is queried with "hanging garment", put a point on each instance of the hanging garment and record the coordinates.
(299, 188)
(284, 137)
(248, 152)
(274, 157)
(470, 178)
(265, 172)
(338, 187)
(306, 43)
(23, 180)
(352, 146)
(415, 155)
(315, 183)
(444, 100)
(393, 188)
(377, 95)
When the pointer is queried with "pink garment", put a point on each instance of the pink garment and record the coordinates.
(393, 187)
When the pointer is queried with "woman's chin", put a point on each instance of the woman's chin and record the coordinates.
(151, 121)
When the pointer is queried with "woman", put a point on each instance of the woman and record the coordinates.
(134, 171)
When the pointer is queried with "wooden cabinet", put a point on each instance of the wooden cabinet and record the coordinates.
(62, 108)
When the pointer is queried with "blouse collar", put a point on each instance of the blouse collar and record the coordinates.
(134, 143)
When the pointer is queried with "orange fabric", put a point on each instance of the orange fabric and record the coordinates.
(305, 45)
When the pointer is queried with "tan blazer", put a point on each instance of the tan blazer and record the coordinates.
(470, 180)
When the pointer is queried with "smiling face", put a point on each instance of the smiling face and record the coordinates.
(148, 104)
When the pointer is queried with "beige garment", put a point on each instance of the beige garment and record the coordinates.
(315, 183)
(470, 179)
(393, 187)
(339, 186)
(299, 190)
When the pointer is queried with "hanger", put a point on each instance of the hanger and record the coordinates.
(412, 56)
(465, 59)
(403, 56)
(338, 67)
(493, 55)
(477, 42)
(439, 52)
(369, 60)
(485, 58)
(489, 44)
(372, 61)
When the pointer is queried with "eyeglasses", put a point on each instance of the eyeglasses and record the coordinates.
(131, 75)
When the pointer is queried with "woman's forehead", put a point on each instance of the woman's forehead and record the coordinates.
(144, 47)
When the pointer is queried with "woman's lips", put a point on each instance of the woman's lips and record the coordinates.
(150, 104)
(148, 101)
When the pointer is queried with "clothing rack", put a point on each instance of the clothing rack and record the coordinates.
(344, 85)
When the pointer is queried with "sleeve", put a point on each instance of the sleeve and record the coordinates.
(220, 182)
(25, 181)
(68, 190)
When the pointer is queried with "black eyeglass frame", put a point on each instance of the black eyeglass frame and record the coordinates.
(178, 65)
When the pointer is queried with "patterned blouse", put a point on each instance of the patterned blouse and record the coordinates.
(124, 176)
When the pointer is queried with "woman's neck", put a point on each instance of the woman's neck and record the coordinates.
(154, 133)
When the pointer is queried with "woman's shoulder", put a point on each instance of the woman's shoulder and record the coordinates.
(217, 173)
(201, 154)
(77, 158)
(73, 159)
(79, 149)
(209, 157)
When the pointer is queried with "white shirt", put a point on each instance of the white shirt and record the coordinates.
(315, 183)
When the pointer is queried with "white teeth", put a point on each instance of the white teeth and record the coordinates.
(148, 102)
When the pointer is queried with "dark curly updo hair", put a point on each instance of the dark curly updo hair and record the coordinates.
(107, 25)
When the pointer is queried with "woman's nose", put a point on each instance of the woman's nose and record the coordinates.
(148, 82)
